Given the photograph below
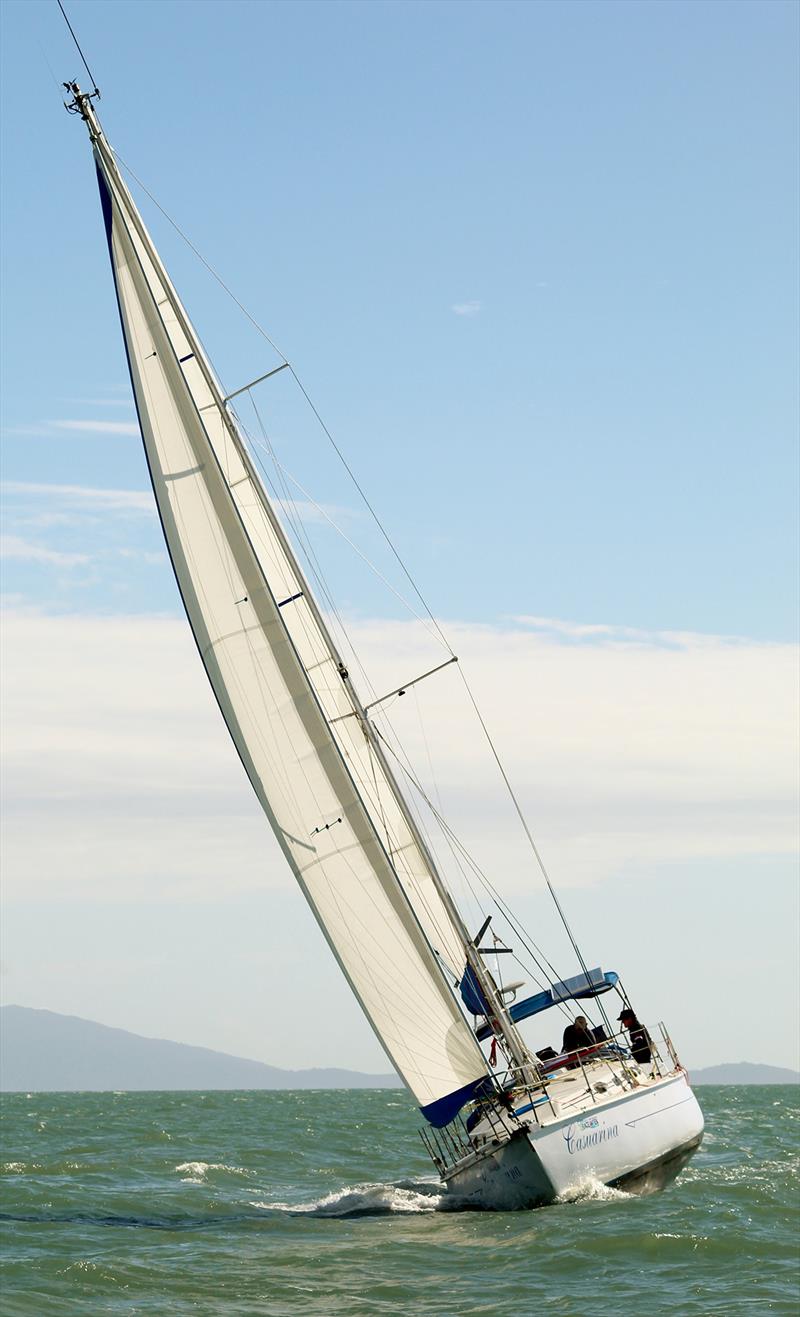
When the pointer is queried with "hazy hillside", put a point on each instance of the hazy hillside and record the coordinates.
(744, 1072)
(41, 1050)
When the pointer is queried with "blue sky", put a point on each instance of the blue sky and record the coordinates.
(537, 266)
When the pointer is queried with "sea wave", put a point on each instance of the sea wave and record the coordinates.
(42, 1169)
(592, 1190)
(197, 1172)
(403, 1198)
(324, 1203)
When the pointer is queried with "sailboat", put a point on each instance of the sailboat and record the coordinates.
(505, 1127)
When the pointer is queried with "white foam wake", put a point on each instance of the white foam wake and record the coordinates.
(367, 1200)
(589, 1190)
(197, 1172)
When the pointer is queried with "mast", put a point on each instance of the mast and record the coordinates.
(141, 276)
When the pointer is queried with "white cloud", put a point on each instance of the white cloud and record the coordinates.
(631, 760)
(621, 753)
(573, 630)
(613, 634)
(152, 558)
(88, 496)
(97, 427)
(14, 546)
(61, 505)
(51, 429)
(623, 756)
(314, 514)
(466, 308)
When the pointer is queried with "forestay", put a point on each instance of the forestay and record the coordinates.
(286, 699)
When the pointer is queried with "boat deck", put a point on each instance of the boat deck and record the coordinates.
(574, 1087)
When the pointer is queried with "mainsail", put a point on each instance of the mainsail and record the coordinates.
(283, 690)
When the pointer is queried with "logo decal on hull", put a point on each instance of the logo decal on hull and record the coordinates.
(588, 1134)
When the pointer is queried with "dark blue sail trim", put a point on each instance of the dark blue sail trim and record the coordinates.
(523, 1010)
(446, 1108)
(108, 219)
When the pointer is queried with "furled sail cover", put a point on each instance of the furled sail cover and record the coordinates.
(279, 687)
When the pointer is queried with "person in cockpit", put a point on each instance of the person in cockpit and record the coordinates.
(577, 1035)
(640, 1042)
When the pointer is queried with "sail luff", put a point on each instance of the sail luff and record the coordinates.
(269, 703)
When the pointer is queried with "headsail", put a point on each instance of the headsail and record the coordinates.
(282, 689)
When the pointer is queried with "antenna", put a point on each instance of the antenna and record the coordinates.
(96, 91)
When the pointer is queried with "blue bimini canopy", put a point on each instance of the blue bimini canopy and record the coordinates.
(575, 989)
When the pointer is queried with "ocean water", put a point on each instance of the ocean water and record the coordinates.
(316, 1204)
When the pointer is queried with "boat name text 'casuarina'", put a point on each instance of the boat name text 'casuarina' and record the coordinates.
(588, 1134)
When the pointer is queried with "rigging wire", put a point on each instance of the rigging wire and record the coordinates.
(316, 572)
(424, 735)
(201, 258)
(524, 823)
(321, 510)
(371, 510)
(386, 537)
(96, 91)
(59, 86)
(289, 504)
(542, 962)
(287, 474)
(302, 389)
(412, 583)
(304, 392)
(286, 499)
(305, 545)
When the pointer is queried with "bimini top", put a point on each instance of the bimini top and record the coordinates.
(575, 989)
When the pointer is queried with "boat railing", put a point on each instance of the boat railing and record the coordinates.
(669, 1046)
(530, 1085)
(618, 1047)
(452, 1143)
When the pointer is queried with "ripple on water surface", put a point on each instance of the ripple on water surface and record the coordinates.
(323, 1203)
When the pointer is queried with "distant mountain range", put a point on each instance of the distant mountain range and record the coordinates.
(744, 1072)
(45, 1051)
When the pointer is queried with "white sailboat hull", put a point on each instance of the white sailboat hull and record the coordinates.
(639, 1142)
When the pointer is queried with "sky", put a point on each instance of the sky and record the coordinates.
(536, 266)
